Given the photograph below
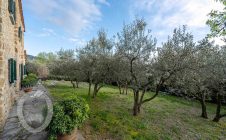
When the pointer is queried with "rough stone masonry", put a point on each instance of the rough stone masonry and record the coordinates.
(11, 48)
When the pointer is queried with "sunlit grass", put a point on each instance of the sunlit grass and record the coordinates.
(166, 117)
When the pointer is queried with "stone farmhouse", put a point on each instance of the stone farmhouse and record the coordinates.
(12, 54)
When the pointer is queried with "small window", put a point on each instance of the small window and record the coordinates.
(25, 70)
(11, 6)
(21, 72)
(12, 11)
(20, 33)
(12, 70)
(9, 71)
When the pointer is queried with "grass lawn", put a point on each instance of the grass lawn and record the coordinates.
(165, 117)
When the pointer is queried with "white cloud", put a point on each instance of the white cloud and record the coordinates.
(47, 32)
(78, 41)
(72, 16)
(164, 15)
(105, 2)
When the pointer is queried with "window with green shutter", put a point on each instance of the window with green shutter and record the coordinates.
(11, 70)
(21, 72)
(20, 33)
(14, 70)
(11, 6)
(25, 70)
(12, 11)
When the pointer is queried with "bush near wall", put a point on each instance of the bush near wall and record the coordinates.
(67, 116)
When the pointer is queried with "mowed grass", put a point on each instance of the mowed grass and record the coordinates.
(165, 117)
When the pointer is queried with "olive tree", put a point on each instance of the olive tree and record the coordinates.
(135, 45)
(39, 65)
(66, 67)
(120, 73)
(216, 77)
(88, 59)
(217, 84)
(194, 80)
(217, 21)
(101, 75)
(31, 67)
(172, 59)
(95, 61)
(42, 71)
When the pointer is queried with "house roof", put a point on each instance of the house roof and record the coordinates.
(21, 13)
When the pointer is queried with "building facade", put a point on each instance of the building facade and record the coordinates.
(12, 54)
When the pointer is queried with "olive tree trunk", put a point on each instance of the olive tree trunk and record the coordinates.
(77, 84)
(119, 87)
(218, 115)
(126, 88)
(96, 89)
(90, 85)
(73, 84)
(136, 105)
(204, 113)
(202, 100)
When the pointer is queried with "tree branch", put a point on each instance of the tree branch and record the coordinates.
(149, 99)
(224, 115)
(142, 96)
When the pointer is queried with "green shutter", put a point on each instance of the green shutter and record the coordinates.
(14, 11)
(21, 72)
(11, 71)
(25, 70)
(11, 6)
(15, 70)
(19, 32)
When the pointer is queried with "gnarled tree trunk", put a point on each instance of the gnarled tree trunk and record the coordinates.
(96, 89)
(126, 87)
(203, 104)
(218, 111)
(77, 84)
(90, 85)
(119, 87)
(136, 105)
(73, 84)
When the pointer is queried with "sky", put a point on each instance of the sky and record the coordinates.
(69, 24)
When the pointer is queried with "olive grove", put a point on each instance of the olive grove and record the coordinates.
(95, 61)
(132, 60)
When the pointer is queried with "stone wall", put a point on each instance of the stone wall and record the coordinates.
(10, 47)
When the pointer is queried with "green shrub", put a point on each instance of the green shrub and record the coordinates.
(67, 115)
(30, 80)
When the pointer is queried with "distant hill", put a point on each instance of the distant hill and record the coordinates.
(30, 57)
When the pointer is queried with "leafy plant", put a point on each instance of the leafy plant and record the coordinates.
(67, 115)
(30, 80)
